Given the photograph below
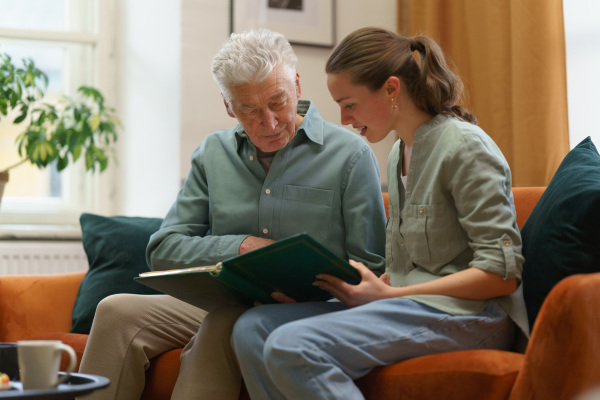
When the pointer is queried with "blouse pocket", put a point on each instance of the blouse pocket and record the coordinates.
(307, 209)
(432, 234)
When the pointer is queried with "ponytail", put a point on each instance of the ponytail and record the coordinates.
(438, 89)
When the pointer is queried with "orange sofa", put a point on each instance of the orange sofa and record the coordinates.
(566, 335)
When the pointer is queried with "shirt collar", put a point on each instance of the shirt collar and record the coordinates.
(438, 119)
(311, 125)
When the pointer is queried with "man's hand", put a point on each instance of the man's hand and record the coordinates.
(282, 298)
(252, 243)
(278, 297)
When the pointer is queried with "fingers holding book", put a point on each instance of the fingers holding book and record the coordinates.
(369, 289)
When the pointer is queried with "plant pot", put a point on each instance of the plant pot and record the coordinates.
(3, 180)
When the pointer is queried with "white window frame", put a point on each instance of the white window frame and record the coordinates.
(82, 191)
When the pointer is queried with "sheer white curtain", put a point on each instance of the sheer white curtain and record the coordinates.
(582, 34)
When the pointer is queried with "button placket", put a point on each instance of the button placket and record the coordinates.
(266, 204)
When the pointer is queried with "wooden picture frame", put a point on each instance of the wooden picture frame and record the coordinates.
(303, 22)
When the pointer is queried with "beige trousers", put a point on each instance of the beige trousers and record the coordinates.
(129, 330)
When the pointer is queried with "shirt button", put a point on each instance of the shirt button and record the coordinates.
(251, 157)
(421, 210)
(265, 231)
(402, 244)
(268, 191)
(506, 243)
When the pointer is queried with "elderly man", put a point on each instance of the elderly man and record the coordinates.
(281, 171)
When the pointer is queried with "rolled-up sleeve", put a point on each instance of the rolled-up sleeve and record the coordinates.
(481, 189)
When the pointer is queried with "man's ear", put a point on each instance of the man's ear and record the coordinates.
(228, 107)
(298, 87)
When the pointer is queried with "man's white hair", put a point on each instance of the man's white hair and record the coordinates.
(251, 57)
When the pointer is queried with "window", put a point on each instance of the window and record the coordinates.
(64, 40)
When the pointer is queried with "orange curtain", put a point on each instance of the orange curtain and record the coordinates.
(511, 57)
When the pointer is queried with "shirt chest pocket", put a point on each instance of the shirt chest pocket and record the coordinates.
(306, 209)
(432, 234)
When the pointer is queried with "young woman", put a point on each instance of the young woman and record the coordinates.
(453, 249)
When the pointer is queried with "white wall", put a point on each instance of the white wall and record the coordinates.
(148, 87)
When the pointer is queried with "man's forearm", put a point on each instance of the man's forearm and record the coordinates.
(182, 251)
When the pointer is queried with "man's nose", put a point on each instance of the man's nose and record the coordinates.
(269, 119)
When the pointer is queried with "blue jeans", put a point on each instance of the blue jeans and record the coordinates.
(316, 350)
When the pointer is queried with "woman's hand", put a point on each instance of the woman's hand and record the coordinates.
(369, 289)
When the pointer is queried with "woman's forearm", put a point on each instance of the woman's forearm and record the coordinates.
(471, 284)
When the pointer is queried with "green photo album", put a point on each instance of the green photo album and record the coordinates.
(288, 266)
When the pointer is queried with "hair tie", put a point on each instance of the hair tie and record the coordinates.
(414, 45)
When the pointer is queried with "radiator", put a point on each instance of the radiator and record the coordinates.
(41, 257)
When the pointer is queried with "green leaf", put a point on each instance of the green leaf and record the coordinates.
(33, 152)
(103, 163)
(19, 92)
(87, 130)
(14, 99)
(29, 79)
(62, 163)
(21, 118)
(90, 92)
(45, 79)
(89, 160)
(76, 152)
(61, 135)
(43, 152)
(20, 140)
(94, 122)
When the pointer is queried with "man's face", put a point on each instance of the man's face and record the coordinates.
(267, 110)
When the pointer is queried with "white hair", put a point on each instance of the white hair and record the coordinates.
(251, 57)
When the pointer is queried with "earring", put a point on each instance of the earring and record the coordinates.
(394, 103)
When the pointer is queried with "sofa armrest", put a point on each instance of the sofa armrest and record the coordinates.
(564, 338)
(35, 304)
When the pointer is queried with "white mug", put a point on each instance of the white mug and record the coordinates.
(39, 363)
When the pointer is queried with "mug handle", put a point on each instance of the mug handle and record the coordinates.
(72, 362)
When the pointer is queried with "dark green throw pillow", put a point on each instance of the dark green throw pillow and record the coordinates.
(116, 252)
(562, 235)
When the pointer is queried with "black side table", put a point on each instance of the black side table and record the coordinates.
(76, 385)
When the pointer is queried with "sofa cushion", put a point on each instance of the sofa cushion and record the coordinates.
(116, 252)
(469, 374)
(561, 236)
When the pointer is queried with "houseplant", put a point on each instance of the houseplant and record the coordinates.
(58, 132)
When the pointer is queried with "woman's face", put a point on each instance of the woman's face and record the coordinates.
(369, 112)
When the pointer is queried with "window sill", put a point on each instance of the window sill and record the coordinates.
(40, 232)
